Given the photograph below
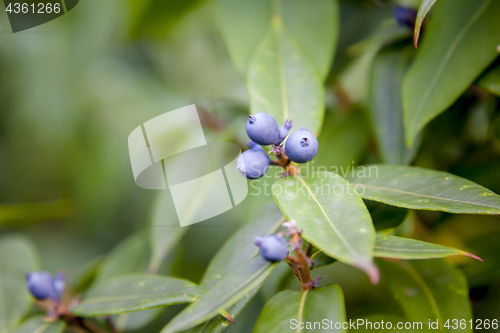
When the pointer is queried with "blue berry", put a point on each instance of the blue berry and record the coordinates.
(58, 285)
(405, 16)
(301, 146)
(253, 163)
(39, 284)
(285, 129)
(263, 129)
(272, 247)
(253, 145)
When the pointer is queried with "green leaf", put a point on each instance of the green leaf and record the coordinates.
(406, 248)
(355, 76)
(240, 247)
(340, 127)
(288, 308)
(491, 81)
(132, 321)
(134, 293)
(418, 188)
(219, 323)
(424, 8)
(455, 50)
(332, 215)
(17, 257)
(314, 25)
(386, 105)
(37, 325)
(237, 249)
(226, 292)
(242, 25)
(165, 231)
(129, 256)
(86, 275)
(387, 246)
(283, 83)
(428, 290)
(477, 126)
(20, 214)
(386, 218)
(487, 247)
(320, 259)
(156, 17)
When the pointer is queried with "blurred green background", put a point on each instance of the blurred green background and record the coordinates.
(73, 89)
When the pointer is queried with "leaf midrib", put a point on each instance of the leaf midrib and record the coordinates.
(146, 297)
(42, 328)
(415, 250)
(300, 313)
(340, 236)
(447, 57)
(427, 292)
(277, 28)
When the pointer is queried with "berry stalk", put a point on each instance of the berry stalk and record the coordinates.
(300, 263)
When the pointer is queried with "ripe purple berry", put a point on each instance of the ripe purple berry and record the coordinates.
(253, 163)
(40, 285)
(254, 146)
(285, 129)
(263, 129)
(301, 146)
(272, 247)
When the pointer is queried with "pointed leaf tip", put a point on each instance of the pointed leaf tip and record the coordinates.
(424, 8)
(374, 274)
(472, 256)
(372, 271)
(226, 315)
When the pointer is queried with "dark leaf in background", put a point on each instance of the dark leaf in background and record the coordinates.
(314, 25)
(449, 60)
(303, 306)
(491, 81)
(386, 218)
(428, 290)
(386, 105)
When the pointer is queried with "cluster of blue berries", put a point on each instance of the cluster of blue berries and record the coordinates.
(272, 247)
(262, 129)
(43, 286)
